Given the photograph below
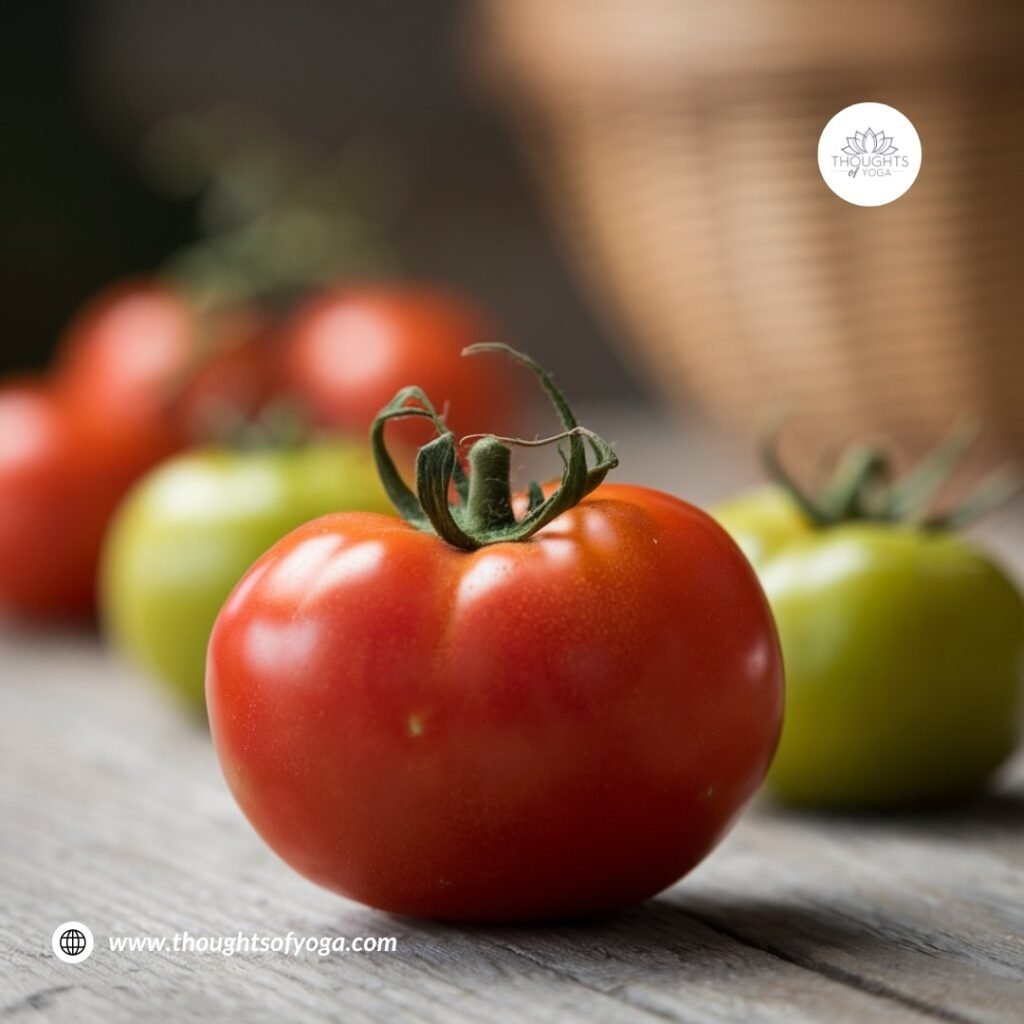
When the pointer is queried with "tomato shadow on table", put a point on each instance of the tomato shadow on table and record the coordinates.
(803, 933)
(979, 815)
(678, 938)
(25, 632)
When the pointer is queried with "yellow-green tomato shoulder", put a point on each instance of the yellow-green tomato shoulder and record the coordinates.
(762, 522)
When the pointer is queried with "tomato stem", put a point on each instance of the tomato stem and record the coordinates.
(858, 479)
(489, 503)
(861, 487)
(482, 512)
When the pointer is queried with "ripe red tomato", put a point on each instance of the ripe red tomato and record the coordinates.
(138, 359)
(537, 728)
(347, 351)
(60, 482)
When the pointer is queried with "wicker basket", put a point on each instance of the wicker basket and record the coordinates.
(677, 142)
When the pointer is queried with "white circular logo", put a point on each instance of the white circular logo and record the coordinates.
(869, 154)
(72, 942)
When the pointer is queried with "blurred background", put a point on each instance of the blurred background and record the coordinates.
(630, 187)
(87, 80)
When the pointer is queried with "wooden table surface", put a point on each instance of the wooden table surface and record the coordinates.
(113, 813)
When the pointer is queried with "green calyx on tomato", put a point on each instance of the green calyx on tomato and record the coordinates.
(483, 513)
(903, 643)
(862, 487)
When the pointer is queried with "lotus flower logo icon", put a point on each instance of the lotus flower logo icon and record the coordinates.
(859, 158)
(869, 143)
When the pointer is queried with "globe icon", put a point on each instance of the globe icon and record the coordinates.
(72, 942)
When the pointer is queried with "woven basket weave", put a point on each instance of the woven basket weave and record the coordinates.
(677, 142)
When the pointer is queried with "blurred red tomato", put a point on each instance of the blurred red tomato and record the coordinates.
(138, 358)
(348, 350)
(138, 376)
(60, 481)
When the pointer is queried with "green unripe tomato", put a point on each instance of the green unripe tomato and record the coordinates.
(903, 651)
(189, 530)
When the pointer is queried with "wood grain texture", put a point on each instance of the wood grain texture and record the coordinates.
(113, 812)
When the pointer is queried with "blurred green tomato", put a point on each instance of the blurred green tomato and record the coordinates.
(189, 530)
(903, 650)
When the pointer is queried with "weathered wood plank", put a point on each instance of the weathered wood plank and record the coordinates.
(113, 813)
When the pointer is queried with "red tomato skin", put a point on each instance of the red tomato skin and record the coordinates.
(59, 485)
(533, 730)
(349, 350)
(133, 360)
